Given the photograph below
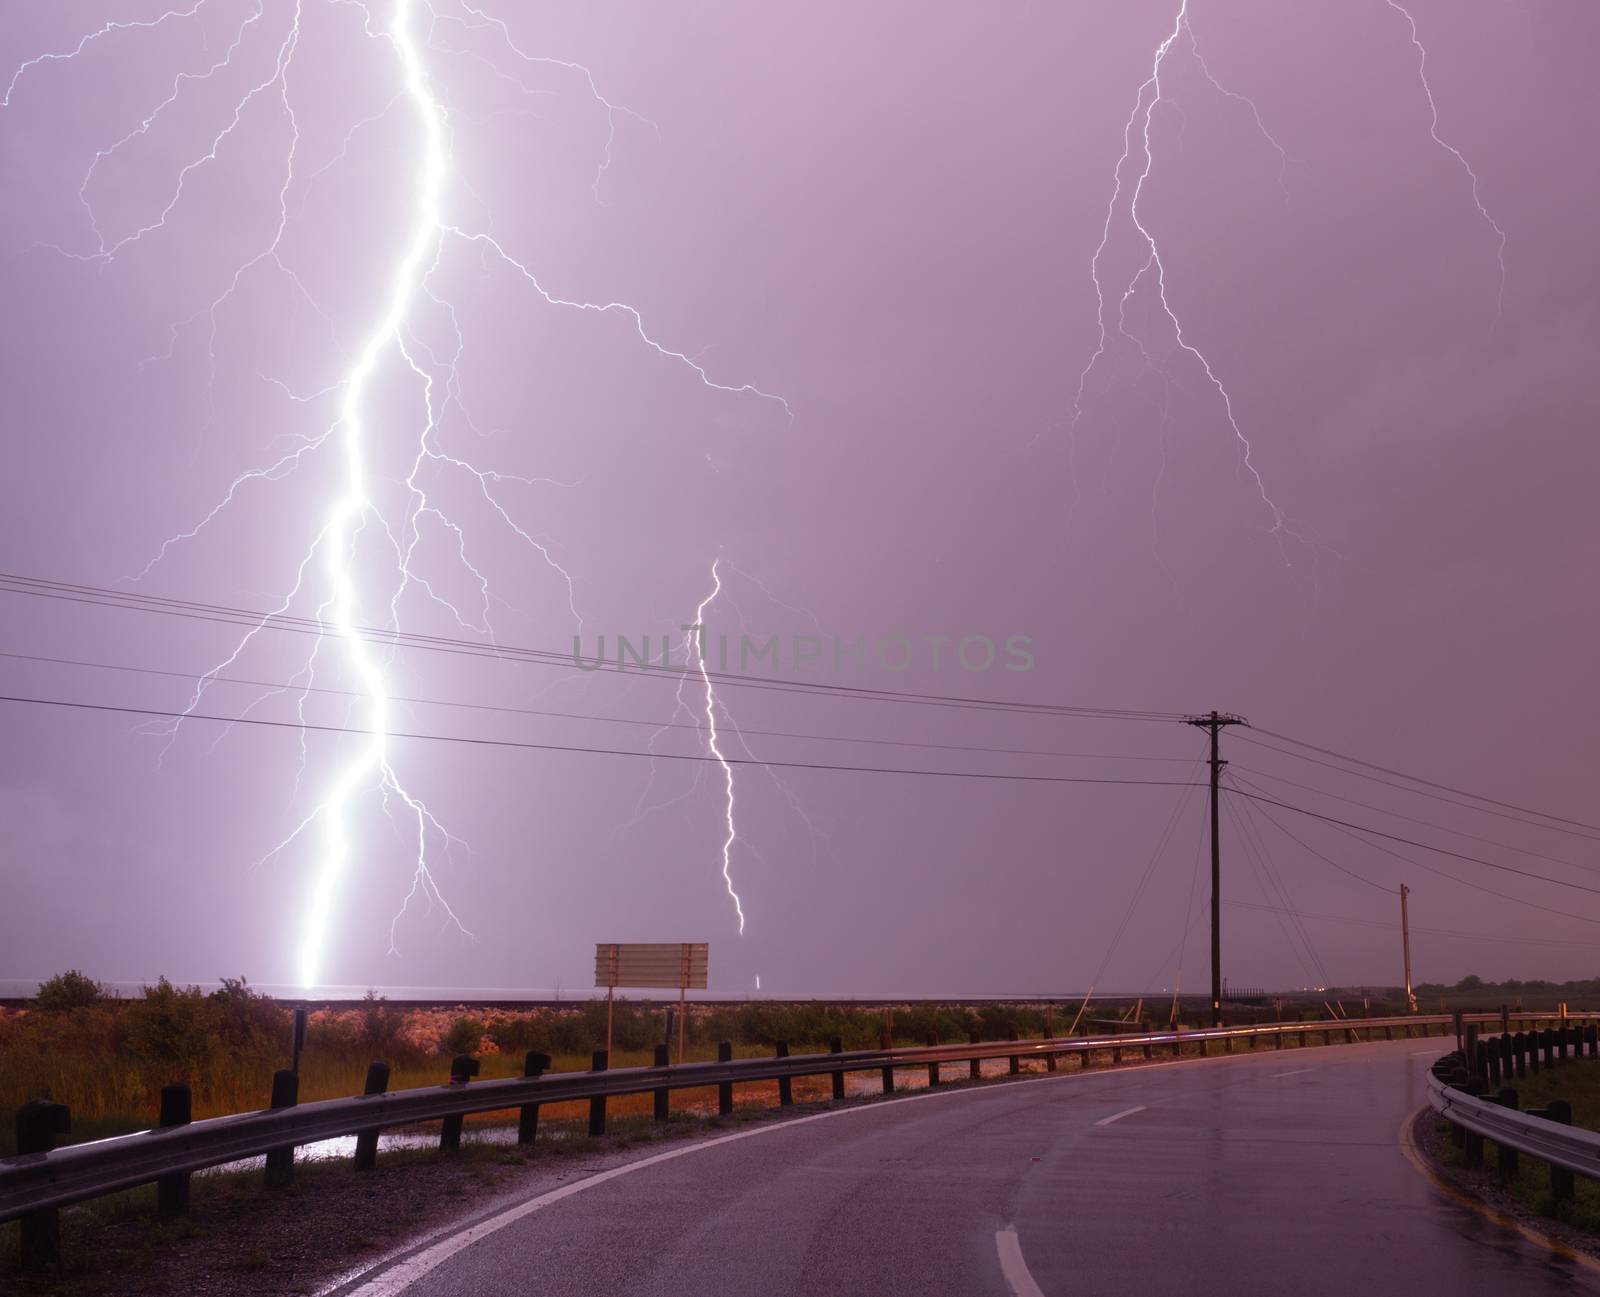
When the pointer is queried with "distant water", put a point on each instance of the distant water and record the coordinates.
(20, 988)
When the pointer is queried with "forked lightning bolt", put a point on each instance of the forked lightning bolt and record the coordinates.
(1138, 128)
(329, 570)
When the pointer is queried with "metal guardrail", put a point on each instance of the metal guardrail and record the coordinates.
(1569, 1147)
(41, 1182)
(1459, 1086)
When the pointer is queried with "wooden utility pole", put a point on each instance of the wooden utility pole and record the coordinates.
(1214, 723)
(1405, 947)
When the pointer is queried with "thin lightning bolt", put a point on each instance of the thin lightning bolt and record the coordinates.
(696, 635)
(1146, 100)
(1472, 176)
(348, 443)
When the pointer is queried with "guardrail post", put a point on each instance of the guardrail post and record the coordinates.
(1496, 1045)
(535, 1064)
(1519, 1053)
(663, 1099)
(885, 1041)
(1460, 1036)
(38, 1123)
(1563, 1034)
(367, 1140)
(1149, 1049)
(975, 1066)
(1277, 1039)
(933, 1068)
(280, 1161)
(1592, 1035)
(597, 1103)
(1505, 1020)
(172, 1191)
(836, 1046)
(1507, 1163)
(463, 1068)
(1533, 1052)
(1547, 1041)
(1469, 1051)
(1016, 1063)
(785, 1084)
(1560, 1178)
(1473, 1142)
(725, 1090)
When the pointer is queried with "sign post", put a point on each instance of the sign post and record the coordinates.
(683, 964)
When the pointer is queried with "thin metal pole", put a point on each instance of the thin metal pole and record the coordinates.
(1405, 947)
(611, 991)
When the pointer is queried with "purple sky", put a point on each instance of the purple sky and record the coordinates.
(884, 215)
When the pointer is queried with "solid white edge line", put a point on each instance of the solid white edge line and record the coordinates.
(1299, 1071)
(1118, 1116)
(1012, 1266)
(400, 1275)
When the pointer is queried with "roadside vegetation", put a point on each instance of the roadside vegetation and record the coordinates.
(108, 1058)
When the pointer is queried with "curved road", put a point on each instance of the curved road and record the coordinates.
(1278, 1172)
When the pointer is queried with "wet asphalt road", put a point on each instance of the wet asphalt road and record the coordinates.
(1273, 1173)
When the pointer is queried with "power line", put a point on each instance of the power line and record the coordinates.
(1413, 819)
(1429, 783)
(287, 686)
(1411, 842)
(1307, 847)
(1454, 878)
(561, 747)
(99, 596)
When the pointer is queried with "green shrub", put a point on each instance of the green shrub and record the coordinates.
(68, 991)
(464, 1037)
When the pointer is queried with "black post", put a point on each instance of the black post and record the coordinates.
(280, 1161)
(663, 1096)
(836, 1046)
(367, 1140)
(933, 1068)
(785, 1083)
(597, 1104)
(886, 1042)
(299, 1039)
(975, 1065)
(1507, 1164)
(1016, 1063)
(1560, 1178)
(38, 1123)
(463, 1067)
(535, 1064)
(172, 1191)
(725, 1090)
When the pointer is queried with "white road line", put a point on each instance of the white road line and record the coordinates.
(1012, 1266)
(1118, 1116)
(1299, 1071)
(1428, 1053)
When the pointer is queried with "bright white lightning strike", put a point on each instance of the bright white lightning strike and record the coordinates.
(697, 636)
(353, 506)
(354, 512)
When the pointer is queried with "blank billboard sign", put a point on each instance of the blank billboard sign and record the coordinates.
(682, 965)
